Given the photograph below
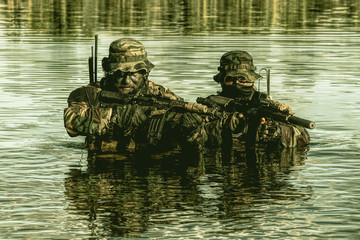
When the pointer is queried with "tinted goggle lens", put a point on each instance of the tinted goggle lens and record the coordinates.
(231, 79)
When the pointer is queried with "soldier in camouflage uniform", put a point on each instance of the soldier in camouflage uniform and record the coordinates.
(109, 127)
(237, 76)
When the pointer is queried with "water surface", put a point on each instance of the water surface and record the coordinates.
(52, 188)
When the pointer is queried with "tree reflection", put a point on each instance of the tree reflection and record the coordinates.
(127, 196)
(184, 17)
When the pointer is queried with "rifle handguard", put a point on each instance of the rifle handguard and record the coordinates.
(196, 107)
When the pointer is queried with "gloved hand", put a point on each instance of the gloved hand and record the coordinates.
(130, 116)
(268, 130)
(235, 122)
(190, 120)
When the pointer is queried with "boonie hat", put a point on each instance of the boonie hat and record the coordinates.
(126, 55)
(237, 63)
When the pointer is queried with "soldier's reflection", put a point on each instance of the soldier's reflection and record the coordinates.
(254, 177)
(119, 196)
(123, 197)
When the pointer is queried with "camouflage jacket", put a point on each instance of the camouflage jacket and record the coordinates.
(87, 116)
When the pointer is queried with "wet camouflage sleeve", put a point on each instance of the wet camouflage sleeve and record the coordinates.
(82, 117)
(161, 91)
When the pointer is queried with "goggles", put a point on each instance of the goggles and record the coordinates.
(231, 80)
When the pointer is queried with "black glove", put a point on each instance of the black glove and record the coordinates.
(131, 116)
(269, 130)
(235, 122)
(190, 120)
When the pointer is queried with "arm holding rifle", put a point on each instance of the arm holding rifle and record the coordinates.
(266, 121)
(260, 104)
(278, 125)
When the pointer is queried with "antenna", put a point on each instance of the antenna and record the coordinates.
(95, 59)
(91, 65)
(267, 80)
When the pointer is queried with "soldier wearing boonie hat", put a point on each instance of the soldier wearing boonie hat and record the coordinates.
(237, 63)
(237, 74)
(126, 55)
(109, 127)
(126, 68)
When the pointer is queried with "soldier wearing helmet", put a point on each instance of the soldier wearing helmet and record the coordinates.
(109, 127)
(236, 77)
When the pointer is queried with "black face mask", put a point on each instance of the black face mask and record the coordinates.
(237, 87)
(237, 91)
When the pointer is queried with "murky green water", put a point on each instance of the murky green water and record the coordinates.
(50, 188)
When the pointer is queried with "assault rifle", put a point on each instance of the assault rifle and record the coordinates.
(260, 105)
(158, 102)
(162, 105)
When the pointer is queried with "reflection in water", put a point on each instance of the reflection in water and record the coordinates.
(130, 196)
(67, 17)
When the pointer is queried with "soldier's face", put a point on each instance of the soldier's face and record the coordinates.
(128, 82)
(240, 80)
(237, 86)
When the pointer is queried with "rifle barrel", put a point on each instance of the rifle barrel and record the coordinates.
(302, 122)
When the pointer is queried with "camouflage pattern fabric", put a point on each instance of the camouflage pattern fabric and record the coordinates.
(83, 117)
(126, 55)
(270, 133)
(158, 90)
(237, 63)
(86, 116)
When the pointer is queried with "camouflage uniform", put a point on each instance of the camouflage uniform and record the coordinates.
(259, 132)
(88, 116)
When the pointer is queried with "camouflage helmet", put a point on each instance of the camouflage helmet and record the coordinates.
(126, 55)
(237, 63)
